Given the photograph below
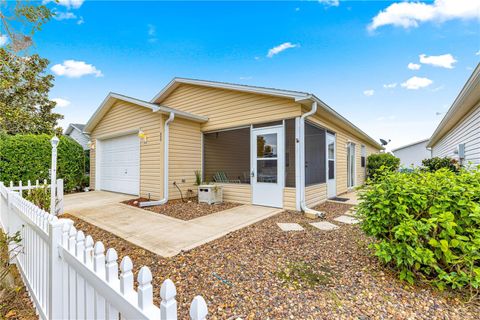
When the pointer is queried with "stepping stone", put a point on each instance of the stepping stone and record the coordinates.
(324, 225)
(346, 219)
(290, 226)
(351, 213)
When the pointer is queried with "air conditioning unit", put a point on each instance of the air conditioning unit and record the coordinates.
(210, 193)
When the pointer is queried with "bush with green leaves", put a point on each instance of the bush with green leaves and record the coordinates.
(28, 157)
(427, 225)
(380, 163)
(437, 163)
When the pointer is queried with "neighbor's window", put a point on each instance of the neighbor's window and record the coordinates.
(363, 159)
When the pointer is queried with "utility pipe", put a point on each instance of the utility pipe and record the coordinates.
(303, 205)
(165, 166)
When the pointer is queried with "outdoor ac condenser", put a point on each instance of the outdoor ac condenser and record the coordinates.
(210, 193)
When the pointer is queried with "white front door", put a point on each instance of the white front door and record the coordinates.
(120, 164)
(331, 165)
(268, 166)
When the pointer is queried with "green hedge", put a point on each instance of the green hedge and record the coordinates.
(427, 225)
(437, 163)
(28, 157)
(379, 163)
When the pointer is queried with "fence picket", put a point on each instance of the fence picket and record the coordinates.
(99, 268)
(69, 276)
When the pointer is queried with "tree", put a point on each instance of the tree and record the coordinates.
(23, 15)
(24, 103)
(24, 85)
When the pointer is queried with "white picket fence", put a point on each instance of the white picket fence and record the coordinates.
(68, 276)
(21, 187)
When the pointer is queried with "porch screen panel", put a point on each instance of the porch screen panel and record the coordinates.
(290, 153)
(226, 156)
(315, 155)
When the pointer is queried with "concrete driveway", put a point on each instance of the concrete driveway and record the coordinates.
(155, 232)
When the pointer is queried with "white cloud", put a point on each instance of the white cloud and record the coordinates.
(61, 102)
(297, 9)
(369, 92)
(152, 33)
(3, 40)
(75, 4)
(330, 3)
(477, 53)
(80, 21)
(415, 83)
(414, 66)
(444, 60)
(411, 14)
(64, 16)
(282, 47)
(390, 85)
(75, 69)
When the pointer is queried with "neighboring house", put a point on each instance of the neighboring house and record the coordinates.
(413, 154)
(254, 138)
(458, 135)
(75, 131)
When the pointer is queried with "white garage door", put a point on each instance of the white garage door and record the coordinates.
(120, 164)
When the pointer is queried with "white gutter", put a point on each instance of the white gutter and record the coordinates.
(303, 205)
(165, 166)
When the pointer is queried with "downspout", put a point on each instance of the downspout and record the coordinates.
(165, 166)
(303, 205)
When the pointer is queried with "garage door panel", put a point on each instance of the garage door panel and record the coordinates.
(120, 164)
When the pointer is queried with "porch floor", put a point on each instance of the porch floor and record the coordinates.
(160, 234)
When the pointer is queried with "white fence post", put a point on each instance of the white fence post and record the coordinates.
(198, 309)
(59, 207)
(56, 295)
(168, 306)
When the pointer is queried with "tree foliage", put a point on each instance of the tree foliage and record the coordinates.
(24, 103)
(427, 225)
(437, 163)
(24, 15)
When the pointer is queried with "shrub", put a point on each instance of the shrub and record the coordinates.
(437, 163)
(427, 225)
(40, 197)
(28, 157)
(378, 164)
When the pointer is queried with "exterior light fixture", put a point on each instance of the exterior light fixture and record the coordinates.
(91, 145)
(142, 136)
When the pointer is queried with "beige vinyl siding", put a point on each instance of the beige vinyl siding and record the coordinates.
(343, 136)
(185, 156)
(236, 192)
(315, 194)
(125, 117)
(466, 131)
(230, 109)
(289, 198)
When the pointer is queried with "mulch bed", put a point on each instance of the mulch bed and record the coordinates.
(261, 272)
(188, 210)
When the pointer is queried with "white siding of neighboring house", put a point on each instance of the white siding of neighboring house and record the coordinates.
(80, 138)
(466, 131)
(413, 155)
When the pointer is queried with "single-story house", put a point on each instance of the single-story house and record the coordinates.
(412, 154)
(75, 131)
(458, 134)
(251, 140)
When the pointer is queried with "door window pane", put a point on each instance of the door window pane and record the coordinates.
(267, 171)
(267, 145)
(331, 169)
(331, 150)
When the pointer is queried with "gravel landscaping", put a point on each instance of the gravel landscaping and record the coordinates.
(188, 210)
(262, 272)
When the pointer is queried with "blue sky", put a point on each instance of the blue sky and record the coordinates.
(344, 52)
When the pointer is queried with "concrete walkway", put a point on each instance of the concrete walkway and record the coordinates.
(155, 232)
